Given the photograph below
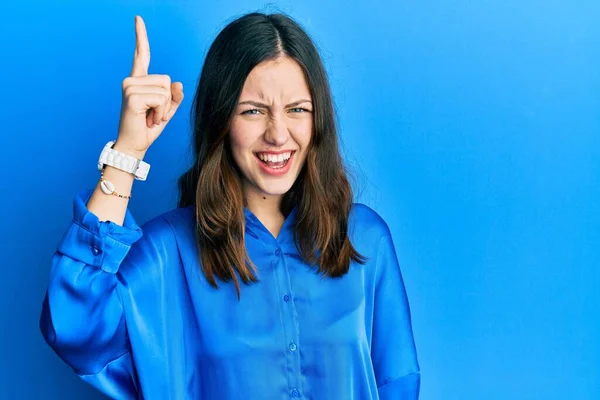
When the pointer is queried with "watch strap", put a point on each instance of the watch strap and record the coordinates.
(125, 162)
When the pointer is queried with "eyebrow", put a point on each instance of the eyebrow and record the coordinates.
(263, 105)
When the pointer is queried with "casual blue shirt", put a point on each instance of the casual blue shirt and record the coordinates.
(134, 316)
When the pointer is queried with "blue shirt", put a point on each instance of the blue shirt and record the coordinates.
(134, 316)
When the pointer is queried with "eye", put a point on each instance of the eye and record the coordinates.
(252, 111)
(299, 109)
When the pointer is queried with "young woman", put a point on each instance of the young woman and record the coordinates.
(266, 282)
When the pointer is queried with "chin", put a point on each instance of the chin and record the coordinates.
(274, 189)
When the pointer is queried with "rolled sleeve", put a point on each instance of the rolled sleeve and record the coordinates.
(405, 387)
(103, 244)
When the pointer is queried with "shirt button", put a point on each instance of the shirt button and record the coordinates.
(95, 250)
(278, 252)
(293, 346)
(286, 297)
(295, 393)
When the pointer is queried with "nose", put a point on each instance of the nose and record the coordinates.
(277, 133)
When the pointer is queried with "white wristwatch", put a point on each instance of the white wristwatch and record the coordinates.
(122, 161)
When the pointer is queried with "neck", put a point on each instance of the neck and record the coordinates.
(266, 208)
(263, 204)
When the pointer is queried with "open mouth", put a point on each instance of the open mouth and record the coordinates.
(275, 162)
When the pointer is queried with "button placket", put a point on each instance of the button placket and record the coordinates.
(290, 323)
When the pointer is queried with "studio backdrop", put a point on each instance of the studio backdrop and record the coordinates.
(472, 128)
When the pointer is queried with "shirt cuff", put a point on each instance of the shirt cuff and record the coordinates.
(103, 244)
(405, 387)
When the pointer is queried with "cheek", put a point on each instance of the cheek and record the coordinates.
(241, 138)
(303, 131)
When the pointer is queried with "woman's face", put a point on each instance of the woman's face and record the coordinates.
(272, 127)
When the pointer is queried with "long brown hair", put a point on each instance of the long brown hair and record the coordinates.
(213, 185)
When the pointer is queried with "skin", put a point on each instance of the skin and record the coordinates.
(274, 113)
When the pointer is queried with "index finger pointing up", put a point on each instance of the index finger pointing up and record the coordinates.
(141, 59)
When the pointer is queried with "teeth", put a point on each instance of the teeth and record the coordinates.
(275, 158)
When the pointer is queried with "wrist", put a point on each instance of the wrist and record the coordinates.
(121, 156)
(128, 150)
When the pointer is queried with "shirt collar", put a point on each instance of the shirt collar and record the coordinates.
(256, 228)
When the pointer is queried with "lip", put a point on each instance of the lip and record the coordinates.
(274, 152)
(278, 171)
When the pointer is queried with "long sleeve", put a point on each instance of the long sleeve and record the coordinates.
(82, 315)
(393, 348)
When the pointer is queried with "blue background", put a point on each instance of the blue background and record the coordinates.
(473, 128)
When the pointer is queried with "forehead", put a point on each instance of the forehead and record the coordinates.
(276, 79)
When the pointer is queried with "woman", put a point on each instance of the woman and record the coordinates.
(266, 282)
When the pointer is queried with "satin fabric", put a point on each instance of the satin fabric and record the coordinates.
(128, 308)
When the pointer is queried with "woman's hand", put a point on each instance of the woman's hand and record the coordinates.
(149, 101)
